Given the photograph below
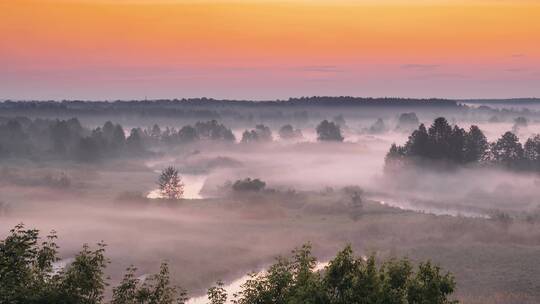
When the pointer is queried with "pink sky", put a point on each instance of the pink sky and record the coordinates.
(95, 49)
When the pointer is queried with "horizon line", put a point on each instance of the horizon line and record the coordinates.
(268, 100)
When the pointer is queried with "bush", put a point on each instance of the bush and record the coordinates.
(287, 132)
(407, 121)
(329, 131)
(248, 184)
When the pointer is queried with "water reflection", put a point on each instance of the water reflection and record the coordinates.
(404, 205)
(236, 286)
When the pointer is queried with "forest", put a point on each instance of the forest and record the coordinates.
(44, 138)
(453, 145)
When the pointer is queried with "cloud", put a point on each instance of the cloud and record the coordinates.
(442, 76)
(515, 70)
(518, 55)
(319, 79)
(320, 69)
(420, 67)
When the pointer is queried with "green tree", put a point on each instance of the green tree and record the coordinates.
(340, 277)
(127, 292)
(217, 294)
(83, 280)
(27, 275)
(156, 289)
(26, 265)
(347, 279)
(429, 285)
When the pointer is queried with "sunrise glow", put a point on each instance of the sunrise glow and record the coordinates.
(268, 49)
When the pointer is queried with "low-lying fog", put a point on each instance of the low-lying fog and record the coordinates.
(213, 235)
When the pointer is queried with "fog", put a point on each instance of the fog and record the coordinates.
(215, 234)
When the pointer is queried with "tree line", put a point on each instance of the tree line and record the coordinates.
(68, 139)
(200, 103)
(28, 275)
(442, 143)
(22, 137)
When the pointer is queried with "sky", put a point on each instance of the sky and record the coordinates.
(268, 49)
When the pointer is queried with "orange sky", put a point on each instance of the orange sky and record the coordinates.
(265, 49)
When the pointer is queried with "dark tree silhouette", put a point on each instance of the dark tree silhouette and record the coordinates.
(212, 130)
(264, 133)
(519, 122)
(395, 159)
(118, 140)
(453, 145)
(340, 121)
(187, 134)
(261, 133)
(88, 149)
(418, 143)
(456, 145)
(249, 184)
(439, 138)
(288, 132)
(329, 131)
(135, 141)
(407, 121)
(156, 131)
(249, 137)
(476, 145)
(377, 127)
(507, 150)
(532, 148)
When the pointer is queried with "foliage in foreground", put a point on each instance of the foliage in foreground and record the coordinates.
(347, 279)
(28, 275)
